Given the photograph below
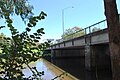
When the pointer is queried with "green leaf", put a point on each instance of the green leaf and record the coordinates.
(8, 38)
(33, 44)
(38, 17)
(2, 27)
(29, 25)
(9, 25)
(43, 13)
(42, 17)
(40, 34)
(28, 29)
(43, 32)
(39, 46)
(32, 36)
(36, 40)
(40, 30)
(6, 13)
(34, 24)
(9, 21)
(42, 72)
(35, 34)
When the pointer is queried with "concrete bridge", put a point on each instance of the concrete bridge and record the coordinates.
(93, 47)
(98, 37)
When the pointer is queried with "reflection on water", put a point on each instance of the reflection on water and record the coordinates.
(41, 66)
(50, 71)
(74, 66)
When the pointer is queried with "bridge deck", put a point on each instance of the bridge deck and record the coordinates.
(99, 37)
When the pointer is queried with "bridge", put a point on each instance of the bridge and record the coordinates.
(93, 47)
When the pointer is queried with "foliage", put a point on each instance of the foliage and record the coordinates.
(73, 33)
(2, 36)
(21, 48)
(95, 29)
(18, 7)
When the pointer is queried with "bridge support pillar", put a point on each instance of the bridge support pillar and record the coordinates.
(89, 58)
(53, 53)
(89, 55)
(56, 53)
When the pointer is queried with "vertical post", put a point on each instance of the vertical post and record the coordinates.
(63, 21)
(63, 18)
(53, 54)
(87, 57)
(89, 29)
(85, 35)
(88, 53)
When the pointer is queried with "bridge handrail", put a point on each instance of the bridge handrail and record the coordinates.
(83, 30)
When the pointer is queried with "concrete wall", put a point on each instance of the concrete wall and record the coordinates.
(102, 56)
(98, 37)
(61, 53)
(98, 57)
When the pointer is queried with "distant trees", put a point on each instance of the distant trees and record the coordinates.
(3, 40)
(95, 29)
(2, 37)
(76, 32)
(72, 33)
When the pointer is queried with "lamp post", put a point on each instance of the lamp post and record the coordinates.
(63, 16)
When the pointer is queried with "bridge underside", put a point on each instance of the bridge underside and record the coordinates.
(97, 55)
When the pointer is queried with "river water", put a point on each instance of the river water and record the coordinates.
(50, 71)
(74, 66)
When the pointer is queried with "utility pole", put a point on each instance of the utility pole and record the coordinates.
(63, 16)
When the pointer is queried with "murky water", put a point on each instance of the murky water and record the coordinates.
(50, 71)
(74, 66)
(41, 66)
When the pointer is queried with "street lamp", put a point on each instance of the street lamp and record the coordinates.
(63, 16)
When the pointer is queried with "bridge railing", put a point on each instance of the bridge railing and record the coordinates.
(90, 29)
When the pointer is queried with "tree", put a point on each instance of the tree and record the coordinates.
(113, 23)
(3, 40)
(95, 29)
(73, 33)
(2, 36)
(22, 49)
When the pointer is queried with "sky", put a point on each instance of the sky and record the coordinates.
(84, 14)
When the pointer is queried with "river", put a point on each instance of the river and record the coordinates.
(75, 67)
(50, 71)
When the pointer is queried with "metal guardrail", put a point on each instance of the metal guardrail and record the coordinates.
(90, 29)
